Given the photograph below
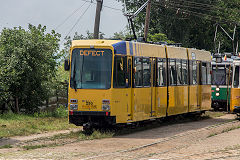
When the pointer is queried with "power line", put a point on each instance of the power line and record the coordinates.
(196, 4)
(103, 5)
(78, 20)
(70, 15)
(200, 14)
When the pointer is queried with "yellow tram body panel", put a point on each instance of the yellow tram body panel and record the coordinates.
(235, 98)
(206, 97)
(178, 100)
(235, 89)
(199, 95)
(89, 100)
(193, 99)
(161, 102)
(178, 95)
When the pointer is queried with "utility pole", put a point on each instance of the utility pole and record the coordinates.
(147, 20)
(97, 19)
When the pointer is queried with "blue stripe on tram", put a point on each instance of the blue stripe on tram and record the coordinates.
(120, 48)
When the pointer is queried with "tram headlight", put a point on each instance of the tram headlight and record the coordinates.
(217, 89)
(73, 106)
(217, 94)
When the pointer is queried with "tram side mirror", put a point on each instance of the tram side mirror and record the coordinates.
(66, 65)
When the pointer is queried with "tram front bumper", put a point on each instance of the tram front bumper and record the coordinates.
(99, 117)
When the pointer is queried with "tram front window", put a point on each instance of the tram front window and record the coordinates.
(236, 77)
(91, 69)
(218, 75)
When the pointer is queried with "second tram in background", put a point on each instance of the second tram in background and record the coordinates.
(221, 82)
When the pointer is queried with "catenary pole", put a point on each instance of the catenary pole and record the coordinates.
(147, 20)
(97, 19)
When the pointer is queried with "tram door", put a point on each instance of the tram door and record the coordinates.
(130, 88)
(153, 87)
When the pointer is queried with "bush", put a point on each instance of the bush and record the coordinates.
(60, 112)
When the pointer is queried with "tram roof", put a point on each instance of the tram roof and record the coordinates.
(143, 49)
(93, 42)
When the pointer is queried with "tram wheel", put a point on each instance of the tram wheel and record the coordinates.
(88, 128)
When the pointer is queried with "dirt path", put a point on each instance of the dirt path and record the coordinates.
(216, 138)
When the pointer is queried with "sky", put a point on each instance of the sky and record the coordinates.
(53, 13)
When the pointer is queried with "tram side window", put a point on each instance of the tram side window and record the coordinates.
(204, 73)
(173, 72)
(120, 72)
(190, 70)
(138, 74)
(179, 70)
(229, 74)
(194, 72)
(146, 72)
(161, 72)
(208, 73)
(184, 72)
(236, 77)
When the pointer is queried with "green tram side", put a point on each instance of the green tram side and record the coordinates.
(221, 83)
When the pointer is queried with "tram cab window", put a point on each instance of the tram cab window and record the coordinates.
(173, 72)
(91, 68)
(204, 73)
(236, 77)
(184, 72)
(209, 73)
(120, 72)
(179, 70)
(138, 74)
(218, 75)
(161, 72)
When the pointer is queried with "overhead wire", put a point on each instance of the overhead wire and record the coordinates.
(103, 5)
(197, 14)
(78, 20)
(64, 21)
(201, 5)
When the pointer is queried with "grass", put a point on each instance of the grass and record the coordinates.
(80, 135)
(211, 135)
(21, 125)
(223, 131)
(213, 114)
(230, 129)
(29, 147)
(5, 146)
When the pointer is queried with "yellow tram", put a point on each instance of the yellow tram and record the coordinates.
(235, 90)
(114, 82)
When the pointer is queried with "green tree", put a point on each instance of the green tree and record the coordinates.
(159, 37)
(28, 65)
(191, 23)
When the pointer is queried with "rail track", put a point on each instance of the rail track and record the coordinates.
(161, 141)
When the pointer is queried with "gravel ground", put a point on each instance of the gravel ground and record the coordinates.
(215, 138)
